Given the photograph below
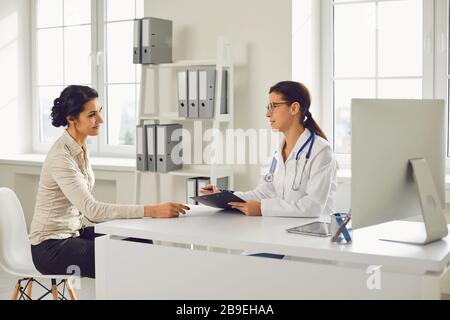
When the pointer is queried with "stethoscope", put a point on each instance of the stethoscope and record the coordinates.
(269, 176)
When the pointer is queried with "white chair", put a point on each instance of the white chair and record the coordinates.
(15, 252)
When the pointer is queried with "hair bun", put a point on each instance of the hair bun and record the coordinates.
(58, 118)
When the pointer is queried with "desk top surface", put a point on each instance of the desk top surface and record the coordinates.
(210, 227)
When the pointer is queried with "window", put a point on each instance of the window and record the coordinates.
(122, 77)
(375, 55)
(87, 42)
(63, 48)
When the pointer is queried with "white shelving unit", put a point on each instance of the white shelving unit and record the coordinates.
(159, 105)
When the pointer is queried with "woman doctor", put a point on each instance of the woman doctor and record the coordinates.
(301, 181)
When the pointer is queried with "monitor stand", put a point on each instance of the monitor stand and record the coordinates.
(434, 226)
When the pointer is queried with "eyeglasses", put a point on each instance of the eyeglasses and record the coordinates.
(272, 105)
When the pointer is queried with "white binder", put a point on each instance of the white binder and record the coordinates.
(156, 40)
(206, 89)
(145, 43)
(165, 145)
(183, 101)
(161, 140)
(137, 39)
(141, 146)
(151, 147)
(193, 94)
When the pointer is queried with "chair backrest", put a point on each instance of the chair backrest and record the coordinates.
(14, 243)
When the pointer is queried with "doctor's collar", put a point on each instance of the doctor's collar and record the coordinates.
(300, 141)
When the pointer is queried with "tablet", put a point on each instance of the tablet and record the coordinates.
(219, 200)
(317, 228)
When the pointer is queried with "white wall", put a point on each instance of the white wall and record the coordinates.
(261, 34)
(15, 75)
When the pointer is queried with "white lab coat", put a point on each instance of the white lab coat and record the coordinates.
(317, 190)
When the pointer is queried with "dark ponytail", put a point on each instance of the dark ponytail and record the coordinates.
(71, 103)
(297, 92)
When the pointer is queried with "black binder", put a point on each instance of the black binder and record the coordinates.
(219, 200)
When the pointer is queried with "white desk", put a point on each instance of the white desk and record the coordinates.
(321, 269)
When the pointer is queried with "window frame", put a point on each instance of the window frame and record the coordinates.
(105, 148)
(327, 62)
(442, 22)
(98, 145)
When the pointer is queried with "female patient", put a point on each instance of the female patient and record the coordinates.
(59, 239)
(302, 178)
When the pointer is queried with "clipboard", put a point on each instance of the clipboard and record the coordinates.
(219, 200)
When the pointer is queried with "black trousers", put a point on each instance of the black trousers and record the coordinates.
(69, 256)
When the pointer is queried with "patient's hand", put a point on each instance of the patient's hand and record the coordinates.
(165, 210)
(209, 189)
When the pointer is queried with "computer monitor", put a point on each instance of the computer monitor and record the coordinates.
(386, 136)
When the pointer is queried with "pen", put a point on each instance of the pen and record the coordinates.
(341, 227)
(211, 189)
(221, 190)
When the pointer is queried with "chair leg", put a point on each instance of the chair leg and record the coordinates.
(54, 290)
(29, 289)
(16, 291)
(70, 290)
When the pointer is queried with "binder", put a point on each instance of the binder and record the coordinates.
(193, 94)
(137, 41)
(141, 146)
(145, 53)
(183, 102)
(156, 40)
(201, 183)
(151, 147)
(224, 97)
(191, 190)
(164, 147)
(206, 88)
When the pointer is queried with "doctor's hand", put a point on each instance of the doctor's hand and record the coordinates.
(165, 210)
(209, 189)
(250, 208)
